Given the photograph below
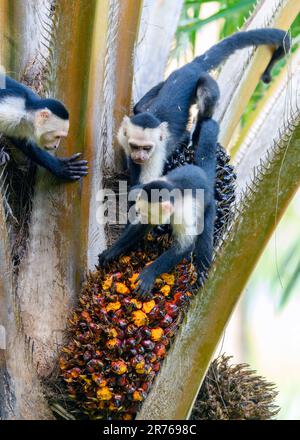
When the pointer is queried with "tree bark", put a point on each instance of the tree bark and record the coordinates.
(158, 25)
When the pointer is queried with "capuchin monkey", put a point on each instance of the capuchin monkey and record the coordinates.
(182, 205)
(35, 125)
(161, 117)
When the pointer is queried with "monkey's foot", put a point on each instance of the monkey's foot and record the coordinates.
(4, 157)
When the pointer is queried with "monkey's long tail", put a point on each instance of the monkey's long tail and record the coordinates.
(205, 152)
(221, 51)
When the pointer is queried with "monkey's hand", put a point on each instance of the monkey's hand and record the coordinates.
(69, 168)
(146, 282)
(105, 257)
(4, 157)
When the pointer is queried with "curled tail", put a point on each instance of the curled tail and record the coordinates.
(221, 51)
(205, 149)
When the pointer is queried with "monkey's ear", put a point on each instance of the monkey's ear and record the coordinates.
(167, 207)
(42, 116)
(164, 131)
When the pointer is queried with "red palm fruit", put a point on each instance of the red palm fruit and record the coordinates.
(149, 345)
(133, 351)
(180, 299)
(130, 343)
(145, 332)
(146, 386)
(172, 309)
(154, 313)
(166, 321)
(119, 367)
(138, 361)
(160, 350)
(156, 367)
(150, 357)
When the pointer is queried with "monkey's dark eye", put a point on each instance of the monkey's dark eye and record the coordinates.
(134, 147)
(147, 148)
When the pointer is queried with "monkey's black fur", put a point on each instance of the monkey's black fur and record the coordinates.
(171, 100)
(32, 100)
(193, 177)
(145, 120)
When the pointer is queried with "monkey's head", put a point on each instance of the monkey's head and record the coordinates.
(51, 123)
(141, 136)
(155, 202)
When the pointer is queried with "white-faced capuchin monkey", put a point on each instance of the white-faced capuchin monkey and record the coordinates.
(35, 125)
(161, 117)
(184, 206)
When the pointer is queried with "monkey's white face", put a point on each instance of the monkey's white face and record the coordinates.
(49, 129)
(140, 143)
(158, 213)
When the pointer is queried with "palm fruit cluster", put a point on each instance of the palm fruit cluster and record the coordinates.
(117, 342)
(234, 392)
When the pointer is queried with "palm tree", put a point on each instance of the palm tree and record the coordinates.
(82, 53)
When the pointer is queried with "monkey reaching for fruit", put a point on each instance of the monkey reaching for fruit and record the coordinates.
(176, 198)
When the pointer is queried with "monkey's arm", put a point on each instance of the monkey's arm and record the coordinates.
(68, 168)
(166, 262)
(134, 173)
(129, 238)
(143, 103)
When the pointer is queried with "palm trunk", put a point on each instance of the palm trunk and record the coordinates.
(63, 221)
(158, 23)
